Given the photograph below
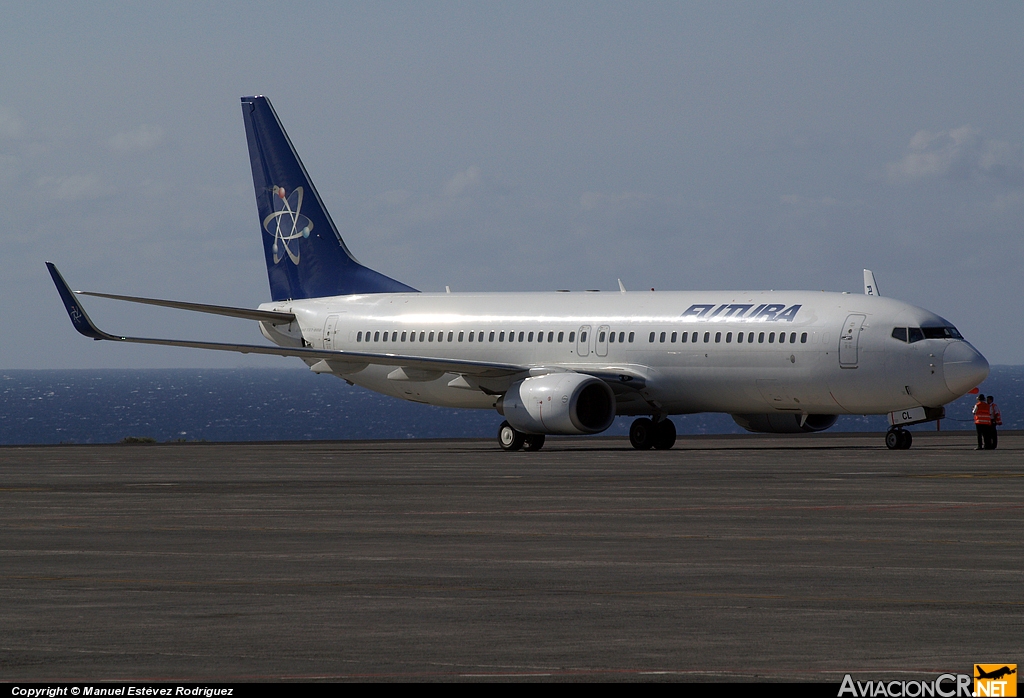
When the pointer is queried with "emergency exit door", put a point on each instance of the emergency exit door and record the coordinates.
(330, 331)
(849, 341)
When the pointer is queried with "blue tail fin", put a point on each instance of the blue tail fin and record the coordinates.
(306, 257)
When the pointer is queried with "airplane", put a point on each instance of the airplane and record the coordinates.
(569, 362)
(995, 674)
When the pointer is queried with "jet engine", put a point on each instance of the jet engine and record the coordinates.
(780, 423)
(559, 403)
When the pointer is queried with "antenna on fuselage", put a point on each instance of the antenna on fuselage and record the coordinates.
(870, 287)
(622, 289)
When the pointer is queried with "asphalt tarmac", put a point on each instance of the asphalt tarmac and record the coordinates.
(733, 557)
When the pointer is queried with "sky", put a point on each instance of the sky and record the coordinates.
(510, 146)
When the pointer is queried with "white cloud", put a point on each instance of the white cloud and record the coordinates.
(464, 182)
(11, 126)
(74, 187)
(144, 137)
(959, 153)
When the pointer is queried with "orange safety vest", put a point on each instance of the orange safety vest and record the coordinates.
(995, 415)
(981, 414)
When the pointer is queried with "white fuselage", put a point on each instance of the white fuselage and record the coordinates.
(838, 355)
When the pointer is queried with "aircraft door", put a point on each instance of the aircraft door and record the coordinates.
(849, 341)
(601, 344)
(330, 330)
(583, 341)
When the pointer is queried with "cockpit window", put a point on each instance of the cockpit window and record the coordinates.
(941, 333)
(916, 334)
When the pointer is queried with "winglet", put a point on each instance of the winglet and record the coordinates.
(76, 312)
(870, 287)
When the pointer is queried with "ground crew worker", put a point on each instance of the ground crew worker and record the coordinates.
(982, 421)
(997, 420)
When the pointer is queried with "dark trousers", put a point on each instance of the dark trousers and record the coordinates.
(982, 435)
(993, 437)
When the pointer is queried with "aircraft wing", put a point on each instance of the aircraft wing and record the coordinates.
(87, 327)
(274, 317)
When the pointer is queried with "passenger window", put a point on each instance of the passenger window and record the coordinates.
(899, 333)
(739, 338)
(673, 338)
(662, 338)
(707, 337)
(470, 336)
(431, 337)
(530, 338)
(718, 337)
(622, 336)
(631, 337)
(376, 336)
(490, 337)
(583, 336)
(359, 336)
(521, 336)
(916, 335)
(728, 338)
(501, 337)
(803, 338)
(651, 338)
(771, 337)
(760, 338)
(792, 337)
(561, 336)
(572, 337)
(551, 337)
(750, 338)
(611, 338)
(421, 336)
(450, 334)
(403, 336)
(394, 336)
(480, 336)
(461, 335)
(782, 338)
(684, 337)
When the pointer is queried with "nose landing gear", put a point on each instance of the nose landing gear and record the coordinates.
(897, 439)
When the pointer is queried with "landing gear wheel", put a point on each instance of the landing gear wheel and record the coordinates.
(898, 439)
(642, 434)
(509, 439)
(533, 442)
(665, 435)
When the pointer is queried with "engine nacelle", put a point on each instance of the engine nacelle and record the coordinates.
(780, 423)
(559, 403)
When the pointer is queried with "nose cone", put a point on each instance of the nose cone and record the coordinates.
(963, 367)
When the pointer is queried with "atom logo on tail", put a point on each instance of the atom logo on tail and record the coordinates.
(286, 224)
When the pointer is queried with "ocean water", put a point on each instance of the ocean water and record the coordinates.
(106, 406)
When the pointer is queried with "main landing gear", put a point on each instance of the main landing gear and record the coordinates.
(897, 439)
(512, 440)
(646, 433)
